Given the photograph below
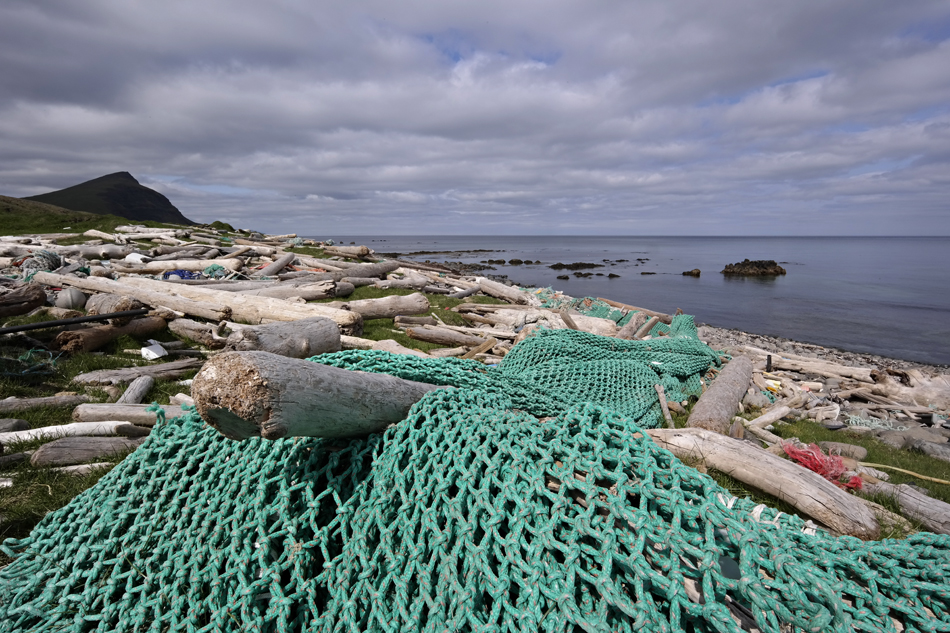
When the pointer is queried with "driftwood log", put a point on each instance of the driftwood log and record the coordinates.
(103, 428)
(106, 303)
(720, 402)
(401, 320)
(19, 404)
(932, 513)
(387, 307)
(352, 252)
(299, 339)
(174, 369)
(21, 300)
(306, 291)
(75, 450)
(131, 413)
(137, 390)
(506, 293)
(275, 267)
(251, 394)
(646, 327)
(90, 339)
(165, 295)
(202, 333)
(664, 318)
(809, 492)
(629, 331)
(443, 336)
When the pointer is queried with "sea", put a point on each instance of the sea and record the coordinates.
(888, 296)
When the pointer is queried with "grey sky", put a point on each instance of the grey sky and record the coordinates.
(599, 117)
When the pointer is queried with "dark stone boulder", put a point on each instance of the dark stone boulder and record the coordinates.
(515, 262)
(692, 273)
(563, 277)
(574, 266)
(613, 276)
(757, 268)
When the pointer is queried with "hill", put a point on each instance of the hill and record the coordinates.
(116, 194)
(19, 216)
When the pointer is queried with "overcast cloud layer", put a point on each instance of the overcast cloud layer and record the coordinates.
(676, 117)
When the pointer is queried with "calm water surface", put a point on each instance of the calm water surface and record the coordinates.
(888, 296)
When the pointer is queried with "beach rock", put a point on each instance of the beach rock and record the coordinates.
(13, 424)
(692, 273)
(8, 461)
(574, 266)
(757, 268)
(515, 262)
(903, 439)
(845, 450)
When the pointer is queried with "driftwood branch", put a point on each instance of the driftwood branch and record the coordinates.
(719, 403)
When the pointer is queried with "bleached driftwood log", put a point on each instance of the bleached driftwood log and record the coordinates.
(299, 339)
(136, 414)
(202, 333)
(664, 318)
(64, 430)
(75, 450)
(90, 339)
(803, 364)
(174, 369)
(629, 331)
(646, 327)
(251, 394)
(249, 309)
(932, 513)
(809, 492)
(719, 403)
(22, 300)
(19, 404)
(387, 307)
(165, 295)
(353, 252)
(137, 390)
(443, 336)
(401, 320)
(507, 293)
(192, 264)
(275, 267)
(306, 291)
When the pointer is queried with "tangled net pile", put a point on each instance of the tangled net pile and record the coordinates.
(471, 514)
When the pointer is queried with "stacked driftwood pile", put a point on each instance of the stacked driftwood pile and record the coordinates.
(243, 306)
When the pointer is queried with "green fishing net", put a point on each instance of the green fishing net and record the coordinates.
(524, 498)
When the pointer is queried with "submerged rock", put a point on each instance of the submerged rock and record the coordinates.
(692, 273)
(757, 268)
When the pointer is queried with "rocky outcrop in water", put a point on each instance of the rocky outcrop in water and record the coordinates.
(757, 268)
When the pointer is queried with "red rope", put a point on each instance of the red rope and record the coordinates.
(831, 467)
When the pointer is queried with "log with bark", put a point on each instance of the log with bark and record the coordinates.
(92, 338)
(136, 414)
(251, 394)
(720, 402)
(20, 404)
(174, 369)
(299, 339)
(21, 300)
(163, 295)
(809, 492)
(75, 450)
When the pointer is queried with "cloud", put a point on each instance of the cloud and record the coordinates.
(515, 117)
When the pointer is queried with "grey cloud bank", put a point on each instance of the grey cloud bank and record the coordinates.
(725, 118)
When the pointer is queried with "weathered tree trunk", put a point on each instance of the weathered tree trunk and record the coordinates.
(201, 333)
(481, 349)
(389, 345)
(715, 408)
(137, 390)
(932, 513)
(308, 292)
(353, 252)
(105, 303)
(19, 404)
(401, 320)
(278, 265)
(387, 307)
(192, 264)
(131, 413)
(75, 450)
(90, 339)
(250, 394)
(174, 369)
(629, 331)
(646, 327)
(799, 487)
(813, 366)
(506, 293)
(443, 336)
(164, 295)
(24, 299)
(299, 339)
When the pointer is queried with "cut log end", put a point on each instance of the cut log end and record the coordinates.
(240, 411)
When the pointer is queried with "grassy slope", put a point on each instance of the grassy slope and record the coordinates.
(19, 217)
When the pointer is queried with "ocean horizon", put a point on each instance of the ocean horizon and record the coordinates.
(876, 295)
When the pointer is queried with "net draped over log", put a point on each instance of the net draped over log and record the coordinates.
(470, 514)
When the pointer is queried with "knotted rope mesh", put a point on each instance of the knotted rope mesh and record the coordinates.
(470, 514)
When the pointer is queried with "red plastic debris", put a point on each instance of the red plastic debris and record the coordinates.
(831, 467)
